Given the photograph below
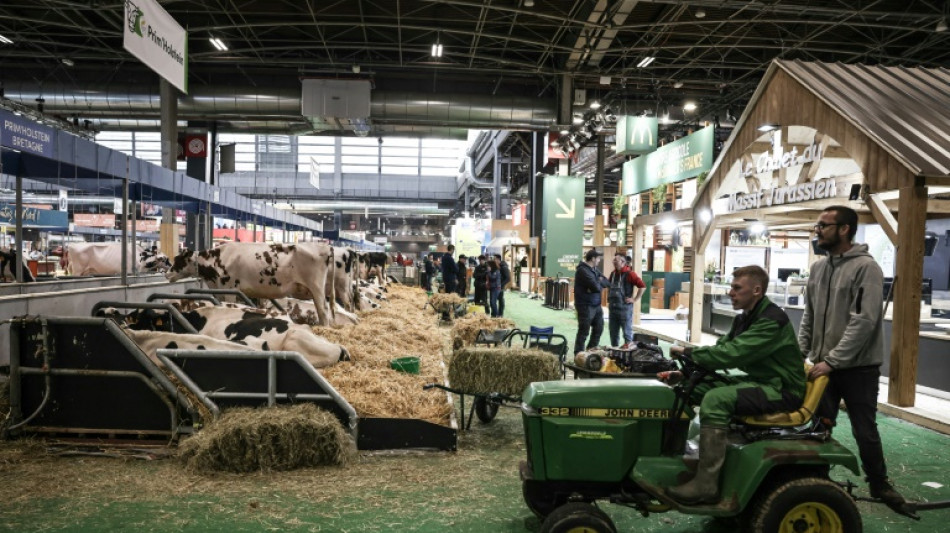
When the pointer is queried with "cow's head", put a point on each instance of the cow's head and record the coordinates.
(184, 266)
(157, 262)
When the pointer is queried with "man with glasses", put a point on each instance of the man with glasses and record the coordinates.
(842, 333)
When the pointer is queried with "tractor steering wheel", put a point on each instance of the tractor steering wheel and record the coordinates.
(694, 371)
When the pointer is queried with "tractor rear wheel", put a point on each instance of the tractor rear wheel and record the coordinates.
(807, 505)
(485, 409)
(578, 517)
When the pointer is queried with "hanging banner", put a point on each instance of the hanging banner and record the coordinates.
(153, 36)
(34, 218)
(25, 135)
(636, 135)
(519, 214)
(563, 225)
(688, 157)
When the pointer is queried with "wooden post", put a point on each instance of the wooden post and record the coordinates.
(702, 234)
(905, 329)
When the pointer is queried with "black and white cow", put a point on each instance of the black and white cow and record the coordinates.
(8, 266)
(249, 329)
(374, 264)
(262, 270)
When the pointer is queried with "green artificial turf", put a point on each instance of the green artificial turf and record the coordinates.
(474, 490)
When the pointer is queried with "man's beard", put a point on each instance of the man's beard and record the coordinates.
(829, 243)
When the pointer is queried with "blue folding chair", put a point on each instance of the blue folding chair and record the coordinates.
(536, 334)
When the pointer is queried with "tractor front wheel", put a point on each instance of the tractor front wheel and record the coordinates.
(485, 409)
(578, 517)
(808, 505)
(538, 499)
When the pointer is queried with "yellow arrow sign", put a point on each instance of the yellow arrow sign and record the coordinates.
(568, 212)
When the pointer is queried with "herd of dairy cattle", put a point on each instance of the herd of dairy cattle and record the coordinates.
(311, 283)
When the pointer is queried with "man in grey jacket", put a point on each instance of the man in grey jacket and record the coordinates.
(842, 333)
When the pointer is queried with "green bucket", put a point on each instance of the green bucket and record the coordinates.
(409, 365)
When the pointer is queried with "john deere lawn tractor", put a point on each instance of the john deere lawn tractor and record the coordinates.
(622, 440)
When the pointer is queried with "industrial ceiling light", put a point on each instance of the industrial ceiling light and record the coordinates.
(769, 126)
(645, 62)
(677, 84)
(578, 119)
(68, 62)
(528, 3)
(689, 106)
(595, 105)
(941, 26)
(437, 50)
(5, 40)
(219, 44)
(700, 13)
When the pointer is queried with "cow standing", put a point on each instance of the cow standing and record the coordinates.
(374, 263)
(262, 270)
(345, 278)
(105, 259)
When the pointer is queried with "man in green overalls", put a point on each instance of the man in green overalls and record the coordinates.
(761, 343)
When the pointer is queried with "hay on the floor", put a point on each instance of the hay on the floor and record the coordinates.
(397, 329)
(467, 327)
(269, 438)
(504, 370)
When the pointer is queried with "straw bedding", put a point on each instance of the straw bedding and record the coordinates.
(267, 439)
(399, 328)
(504, 370)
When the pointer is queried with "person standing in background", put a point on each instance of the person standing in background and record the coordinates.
(449, 270)
(480, 279)
(588, 281)
(494, 288)
(428, 272)
(626, 288)
(463, 276)
(842, 333)
(505, 274)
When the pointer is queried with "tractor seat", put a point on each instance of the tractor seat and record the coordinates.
(814, 388)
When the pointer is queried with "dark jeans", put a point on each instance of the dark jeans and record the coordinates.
(501, 302)
(481, 294)
(590, 319)
(621, 317)
(451, 284)
(858, 388)
(491, 306)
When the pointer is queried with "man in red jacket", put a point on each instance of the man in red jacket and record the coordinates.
(626, 288)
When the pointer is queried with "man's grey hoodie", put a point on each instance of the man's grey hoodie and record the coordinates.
(843, 323)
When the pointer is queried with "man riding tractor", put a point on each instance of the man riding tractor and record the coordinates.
(761, 343)
(763, 456)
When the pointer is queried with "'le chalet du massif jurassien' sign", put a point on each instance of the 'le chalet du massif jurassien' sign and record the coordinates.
(803, 191)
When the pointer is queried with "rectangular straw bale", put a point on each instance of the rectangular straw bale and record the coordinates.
(504, 370)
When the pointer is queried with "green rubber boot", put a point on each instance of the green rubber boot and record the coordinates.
(704, 487)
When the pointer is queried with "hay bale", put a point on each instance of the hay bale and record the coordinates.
(270, 438)
(446, 303)
(466, 328)
(504, 370)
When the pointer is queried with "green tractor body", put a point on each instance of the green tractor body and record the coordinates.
(616, 439)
